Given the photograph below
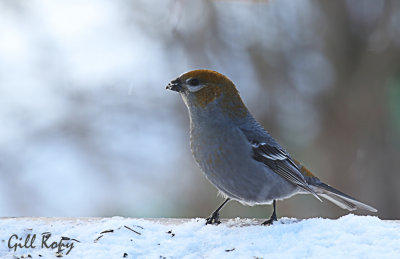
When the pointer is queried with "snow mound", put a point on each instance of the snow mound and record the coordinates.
(347, 237)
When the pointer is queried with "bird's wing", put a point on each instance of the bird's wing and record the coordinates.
(281, 163)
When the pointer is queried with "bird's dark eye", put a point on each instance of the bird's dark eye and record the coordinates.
(193, 81)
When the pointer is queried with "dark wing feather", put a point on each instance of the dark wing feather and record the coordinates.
(281, 163)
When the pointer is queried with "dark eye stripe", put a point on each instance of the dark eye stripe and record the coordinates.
(194, 82)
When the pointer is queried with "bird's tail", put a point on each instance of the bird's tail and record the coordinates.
(340, 199)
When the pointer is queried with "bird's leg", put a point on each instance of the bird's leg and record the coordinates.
(273, 216)
(214, 217)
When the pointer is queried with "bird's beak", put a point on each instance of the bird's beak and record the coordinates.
(175, 85)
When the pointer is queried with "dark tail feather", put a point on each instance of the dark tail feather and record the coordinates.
(340, 199)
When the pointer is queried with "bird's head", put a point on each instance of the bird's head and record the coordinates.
(209, 90)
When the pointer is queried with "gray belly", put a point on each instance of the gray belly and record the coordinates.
(250, 184)
(236, 174)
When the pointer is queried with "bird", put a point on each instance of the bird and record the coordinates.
(237, 155)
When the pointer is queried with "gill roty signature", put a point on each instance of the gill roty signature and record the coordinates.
(30, 241)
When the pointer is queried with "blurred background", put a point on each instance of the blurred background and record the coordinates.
(88, 129)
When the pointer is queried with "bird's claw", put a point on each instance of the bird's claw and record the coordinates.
(271, 220)
(213, 219)
(268, 222)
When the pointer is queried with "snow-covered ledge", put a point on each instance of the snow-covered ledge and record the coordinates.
(348, 236)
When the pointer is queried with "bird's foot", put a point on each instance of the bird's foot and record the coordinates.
(270, 221)
(213, 219)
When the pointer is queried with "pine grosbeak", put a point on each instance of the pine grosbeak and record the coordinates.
(237, 155)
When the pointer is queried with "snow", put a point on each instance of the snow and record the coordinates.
(350, 236)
